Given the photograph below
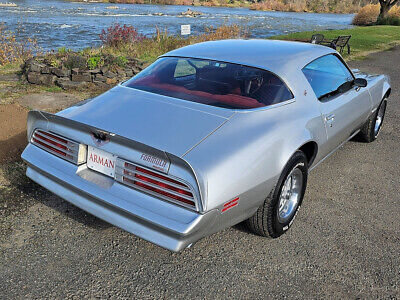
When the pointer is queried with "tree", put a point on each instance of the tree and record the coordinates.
(386, 5)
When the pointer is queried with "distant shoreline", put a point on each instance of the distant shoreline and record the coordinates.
(273, 5)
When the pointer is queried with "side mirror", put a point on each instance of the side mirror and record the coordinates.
(360, 82)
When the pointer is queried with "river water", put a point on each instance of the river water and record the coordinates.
(57, 23)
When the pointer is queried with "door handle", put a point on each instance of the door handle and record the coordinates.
(329, 119)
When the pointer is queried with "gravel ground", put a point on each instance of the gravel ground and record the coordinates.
(345, 242)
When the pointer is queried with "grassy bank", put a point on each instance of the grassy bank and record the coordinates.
(364, 40)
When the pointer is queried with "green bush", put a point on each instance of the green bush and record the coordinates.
(121, 61)
(391, 20)
(94, 62)
(54, 62)
(62, 50)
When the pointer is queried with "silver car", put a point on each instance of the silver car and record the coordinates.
(208, 136)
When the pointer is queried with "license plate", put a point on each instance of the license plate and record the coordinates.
(101, 161)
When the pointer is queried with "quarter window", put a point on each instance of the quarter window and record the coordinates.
(328, 76)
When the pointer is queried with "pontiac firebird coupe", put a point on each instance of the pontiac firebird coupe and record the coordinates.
(206, 137)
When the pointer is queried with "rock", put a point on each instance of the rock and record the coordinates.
(34, 77)
(135, 70)
(99, 77)
(48, 79)
(111, 80)
(36, 67)
(101, 84)
(104, 70)
(86, 77)
(158, 14)
(129, 73)
(29, 61)
(191, 13)
(66, 84)
(109, 74)
(37, 78)
(45, 70)
(121, 73)
(75, 71)
(61, 72)
(94, 71)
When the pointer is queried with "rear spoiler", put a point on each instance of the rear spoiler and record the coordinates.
(71, 128)
(47, 121)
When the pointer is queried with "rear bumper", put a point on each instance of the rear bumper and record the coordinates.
(159, 222)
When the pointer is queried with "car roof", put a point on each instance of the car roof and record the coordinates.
(279, 57)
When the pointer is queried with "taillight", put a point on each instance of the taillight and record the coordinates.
(155, 183)
(59, 146)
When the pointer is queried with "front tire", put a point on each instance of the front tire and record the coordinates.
(370, 131)
(275, 216)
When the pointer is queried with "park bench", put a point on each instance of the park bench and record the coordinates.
(340, 42)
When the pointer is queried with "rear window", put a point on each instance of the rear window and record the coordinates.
(211, 82)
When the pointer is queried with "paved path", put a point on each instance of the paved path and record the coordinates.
(345, 243)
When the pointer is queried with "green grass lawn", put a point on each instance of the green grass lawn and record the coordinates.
(364, 40)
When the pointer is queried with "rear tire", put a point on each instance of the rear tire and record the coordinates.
(370, 130)
(275, 216)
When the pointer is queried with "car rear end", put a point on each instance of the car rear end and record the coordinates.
(148, 192)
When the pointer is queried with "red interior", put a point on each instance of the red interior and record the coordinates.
(233, 99)
(207, 98)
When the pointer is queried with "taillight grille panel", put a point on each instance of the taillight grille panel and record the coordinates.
(57, 145)
(155, 183)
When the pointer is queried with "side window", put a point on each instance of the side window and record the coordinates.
(183, 68)
(326, 74)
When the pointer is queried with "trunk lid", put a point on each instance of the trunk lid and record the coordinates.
(164, 123)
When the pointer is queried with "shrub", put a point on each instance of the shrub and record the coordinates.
(121, 61)
(116, 35)
(391, 20)
(221, 33)
(269, 5)
(54, 62)
(62, 50)
(368, 15)
(14, 50)
(75, 61)
(94, 62)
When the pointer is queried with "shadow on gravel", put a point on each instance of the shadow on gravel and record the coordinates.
(22, 193)
(243, 228)
(11, 149)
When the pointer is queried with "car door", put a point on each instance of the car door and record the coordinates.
(344, 110)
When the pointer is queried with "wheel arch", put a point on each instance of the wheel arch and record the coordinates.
(388, 92)
(310, 149)
(387, 89)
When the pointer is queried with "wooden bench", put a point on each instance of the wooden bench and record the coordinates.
(340, 42)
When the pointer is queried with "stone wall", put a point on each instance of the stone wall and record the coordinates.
(37, 71)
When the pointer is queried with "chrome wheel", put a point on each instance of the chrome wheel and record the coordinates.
(379, 118)
(290, 195)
